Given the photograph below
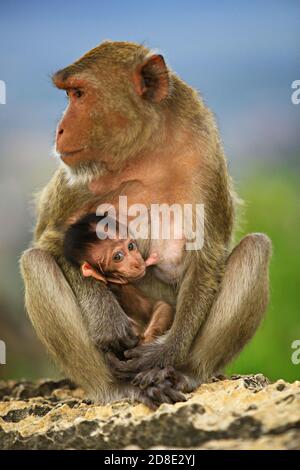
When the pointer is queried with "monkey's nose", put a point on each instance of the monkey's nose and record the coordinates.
(59, 132)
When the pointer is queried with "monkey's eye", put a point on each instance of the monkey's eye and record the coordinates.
(119, 256)
(78, 93)
(132, 246)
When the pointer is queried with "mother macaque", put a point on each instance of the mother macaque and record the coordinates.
(133, 128)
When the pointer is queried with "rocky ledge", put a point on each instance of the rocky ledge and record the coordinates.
(243, 412)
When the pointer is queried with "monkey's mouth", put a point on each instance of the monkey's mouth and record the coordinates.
(71, 153)
(139, 276)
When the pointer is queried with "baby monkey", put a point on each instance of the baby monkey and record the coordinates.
(118, 263)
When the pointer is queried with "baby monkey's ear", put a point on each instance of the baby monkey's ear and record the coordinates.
(88, 271)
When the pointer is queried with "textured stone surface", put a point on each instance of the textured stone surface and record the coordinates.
(238, 413)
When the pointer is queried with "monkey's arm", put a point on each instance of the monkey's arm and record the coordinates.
(57, 203)
(109, 327)
(197, 292)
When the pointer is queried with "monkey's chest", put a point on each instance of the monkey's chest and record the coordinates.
(170, 265)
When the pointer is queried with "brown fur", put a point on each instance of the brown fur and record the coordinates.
(154, 147)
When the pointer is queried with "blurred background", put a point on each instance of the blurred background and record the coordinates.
(242, 57)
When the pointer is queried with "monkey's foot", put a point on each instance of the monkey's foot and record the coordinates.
(155, 395)
(157, 385)
(158, 377)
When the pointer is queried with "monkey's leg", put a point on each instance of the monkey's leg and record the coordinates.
(59, 323)
(160, 322)
(238, 309)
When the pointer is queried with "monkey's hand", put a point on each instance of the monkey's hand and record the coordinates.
(121, 337)
(155, 376)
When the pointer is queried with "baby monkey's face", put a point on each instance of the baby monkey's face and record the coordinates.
(117, 260)
(122, 257)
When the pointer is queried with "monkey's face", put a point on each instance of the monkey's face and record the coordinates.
(73, 140)
(126, 261)
(120, 260)
(115, 93)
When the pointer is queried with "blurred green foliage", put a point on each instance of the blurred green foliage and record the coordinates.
(272, 206)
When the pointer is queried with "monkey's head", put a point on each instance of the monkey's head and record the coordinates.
(115, 260)
(117, 100)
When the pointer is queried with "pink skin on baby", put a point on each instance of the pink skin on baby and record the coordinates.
(152, 259)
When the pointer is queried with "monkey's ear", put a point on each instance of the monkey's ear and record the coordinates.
(88, 271)
(151, 79)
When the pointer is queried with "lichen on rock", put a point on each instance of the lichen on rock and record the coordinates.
(243, 412)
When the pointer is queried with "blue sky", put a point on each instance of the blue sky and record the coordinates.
(241, 55)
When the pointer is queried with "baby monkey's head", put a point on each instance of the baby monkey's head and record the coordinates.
(108, 259)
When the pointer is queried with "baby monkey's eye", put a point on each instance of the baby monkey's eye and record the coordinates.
(119, 256)
(132, 246)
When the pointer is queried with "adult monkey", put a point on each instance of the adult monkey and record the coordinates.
(133, 128)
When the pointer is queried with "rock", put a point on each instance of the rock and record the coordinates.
(243, 412)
